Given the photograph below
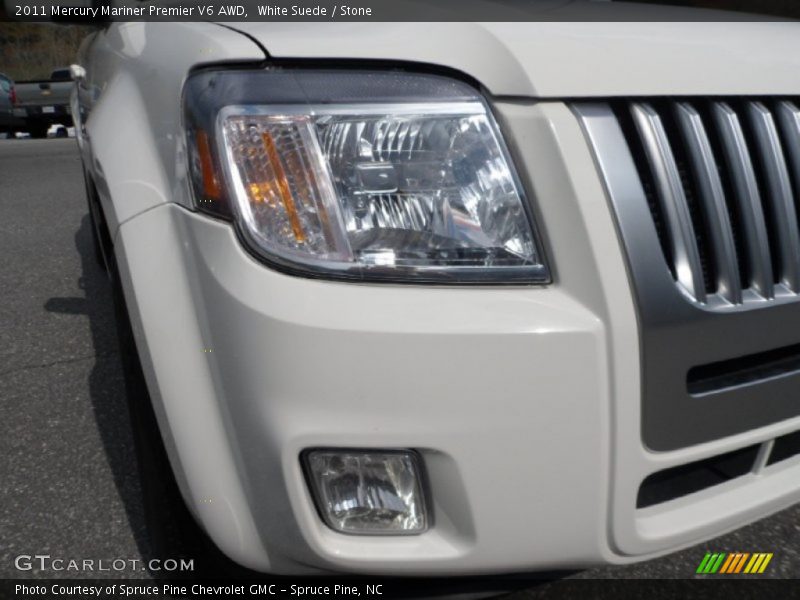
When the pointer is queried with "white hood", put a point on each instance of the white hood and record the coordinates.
(539, 59)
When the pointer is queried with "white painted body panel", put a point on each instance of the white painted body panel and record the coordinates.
(567, 60)
(133, 143)
(523, 401)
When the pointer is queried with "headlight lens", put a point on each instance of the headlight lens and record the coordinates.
(363, 175)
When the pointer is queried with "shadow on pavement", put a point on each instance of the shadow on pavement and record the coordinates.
(107, 389)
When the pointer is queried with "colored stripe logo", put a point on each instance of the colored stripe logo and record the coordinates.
(734, 563)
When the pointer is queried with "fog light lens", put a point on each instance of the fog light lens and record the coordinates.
(366, 492)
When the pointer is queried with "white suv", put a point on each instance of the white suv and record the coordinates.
(472, 298)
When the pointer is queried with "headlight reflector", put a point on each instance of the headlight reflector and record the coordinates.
(397, 189)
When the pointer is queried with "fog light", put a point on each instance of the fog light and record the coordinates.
(368, 492)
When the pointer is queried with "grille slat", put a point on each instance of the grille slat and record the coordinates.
(722, 182)
(683, 244)
(778, 197)
(746, 198)
(679, 336)
(712, 199)
(789, 122)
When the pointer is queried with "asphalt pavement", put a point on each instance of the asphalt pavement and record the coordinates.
(69, 483)
(68, 475)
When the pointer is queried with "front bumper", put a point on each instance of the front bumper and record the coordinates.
(524, 402)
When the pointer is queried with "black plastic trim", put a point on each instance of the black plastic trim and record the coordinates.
(676, 482)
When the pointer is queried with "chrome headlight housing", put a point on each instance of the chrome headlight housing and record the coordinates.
(363, 175)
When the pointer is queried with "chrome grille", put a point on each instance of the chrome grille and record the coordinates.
(723, 183)
(710, 185)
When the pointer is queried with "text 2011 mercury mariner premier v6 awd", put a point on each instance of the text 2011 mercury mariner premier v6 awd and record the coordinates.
(472, 298)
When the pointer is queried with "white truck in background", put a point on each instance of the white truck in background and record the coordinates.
(44, 103)
(9, 119)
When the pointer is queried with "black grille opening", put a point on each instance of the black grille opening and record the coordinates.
(794, 174)
(677, 482)
(759, 169)
(689, 183)
(734, 213)
(666, 112)
(622, 112)
(785, 447)
(735, 372)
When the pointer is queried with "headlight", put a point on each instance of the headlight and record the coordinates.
(361, 175)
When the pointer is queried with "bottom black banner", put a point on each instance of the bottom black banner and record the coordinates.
(291, 588)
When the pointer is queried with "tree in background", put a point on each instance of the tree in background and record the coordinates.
(33, 50)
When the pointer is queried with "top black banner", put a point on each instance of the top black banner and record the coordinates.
(101, 11)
